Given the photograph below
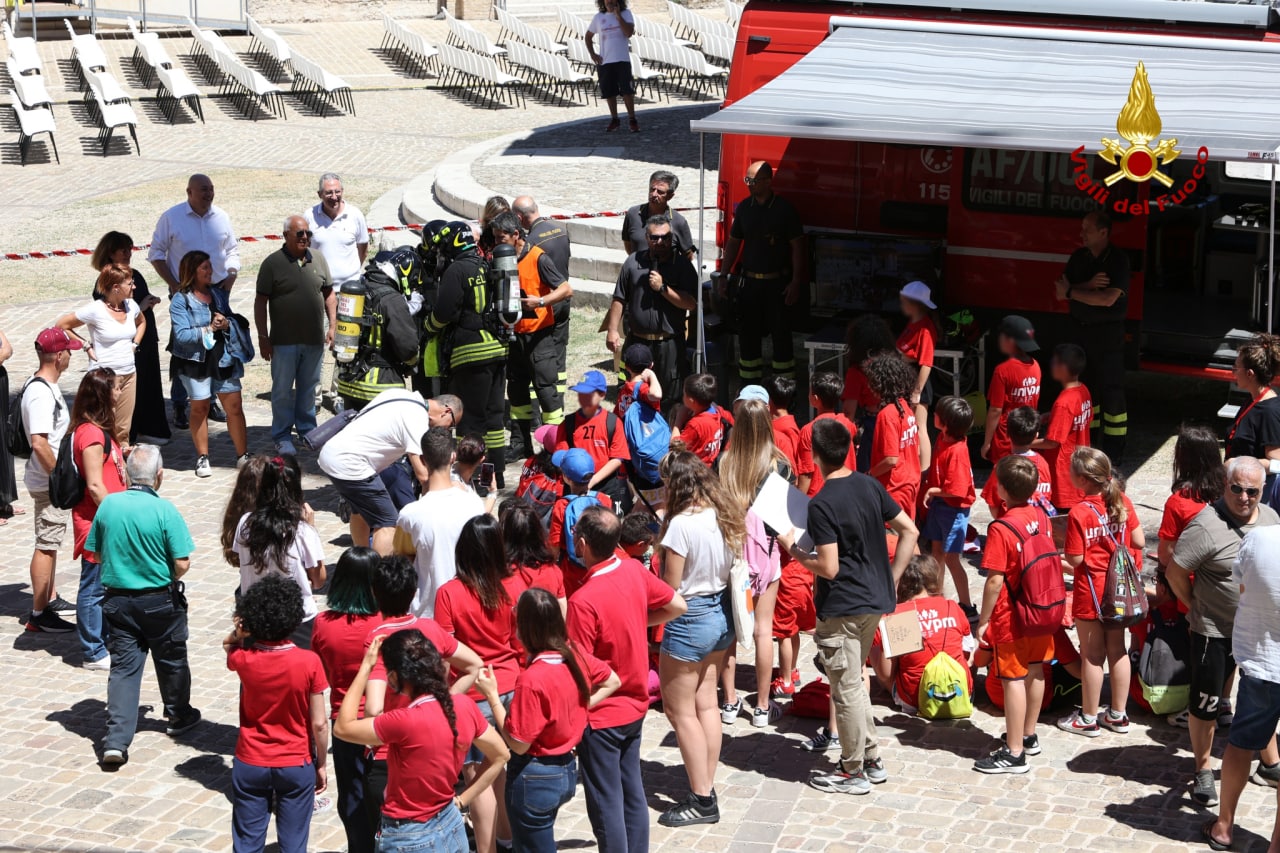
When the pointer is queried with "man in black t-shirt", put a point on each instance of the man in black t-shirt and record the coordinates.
(1095, 285)
(657, 288)
(552, 237)
(766, 246)
(855, 588)
(662, 187)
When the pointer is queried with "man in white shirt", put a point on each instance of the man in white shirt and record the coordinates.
(45, 419)
(1255, 645)
(195, 224)
(429, 527)
(340, 234)
(366, 447)
(614, 26)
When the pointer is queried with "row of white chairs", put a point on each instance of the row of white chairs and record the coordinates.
(318, 87)
(154, 65)
(691, 25)
(642, 76)
(265, 41)
(243, 84)
(482, 76)
(514, 28)
(148, 53)
(733, 12)
(407, 46)
(571, 26)
(22, 51)
(684, 66)
(113, 108)
(656, 30)
(462, 34)
(550, 72)
(29, 89)
(30, 123)
(86, 53)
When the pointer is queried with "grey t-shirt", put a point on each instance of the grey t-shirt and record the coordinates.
(1208, 548)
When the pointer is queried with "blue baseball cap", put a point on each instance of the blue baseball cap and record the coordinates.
(753, 392)
(575, 463)
(593, 381)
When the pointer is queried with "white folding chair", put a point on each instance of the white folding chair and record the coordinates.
(29, 89)
(30, 123)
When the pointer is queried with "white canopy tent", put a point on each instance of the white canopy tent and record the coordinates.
(935, 83)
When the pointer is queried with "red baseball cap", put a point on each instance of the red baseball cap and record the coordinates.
(57, 340)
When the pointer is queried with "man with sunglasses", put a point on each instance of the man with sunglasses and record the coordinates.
(657, 288)
(295, 293)
(1208, 549)
(766, 246)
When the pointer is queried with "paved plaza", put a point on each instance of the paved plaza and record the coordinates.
(1116, 792)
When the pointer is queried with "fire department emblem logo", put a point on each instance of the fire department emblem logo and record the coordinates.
(1138, 124)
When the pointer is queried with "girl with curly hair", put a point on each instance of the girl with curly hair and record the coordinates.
(280, 754)
(896, 458)
(703, 531)
(427, 742)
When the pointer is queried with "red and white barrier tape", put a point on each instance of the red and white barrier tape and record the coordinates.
(70, 253)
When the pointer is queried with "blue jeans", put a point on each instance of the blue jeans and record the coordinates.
(536, 789)
(295, 373)
(89, 625)
(444, 833)
(349, 768)
(254, 788)
(139, 624)
(615, 791)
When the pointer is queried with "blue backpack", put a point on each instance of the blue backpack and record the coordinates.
(572, 512)
(648, 439)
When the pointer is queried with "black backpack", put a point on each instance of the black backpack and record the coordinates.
(66, 483)
(15, 429)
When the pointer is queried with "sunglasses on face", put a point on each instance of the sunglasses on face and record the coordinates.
(301, 234)
(751, 182)
(453, 419)
(656, 191)
(1237, 489)
(660, 238)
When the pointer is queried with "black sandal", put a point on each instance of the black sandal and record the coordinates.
(1206, 832)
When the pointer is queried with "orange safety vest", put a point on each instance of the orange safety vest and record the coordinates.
(532, 287)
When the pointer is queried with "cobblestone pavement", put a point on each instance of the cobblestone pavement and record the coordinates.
(1115, 793)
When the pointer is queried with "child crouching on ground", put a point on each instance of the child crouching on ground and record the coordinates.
(949, 494)
(943, 627)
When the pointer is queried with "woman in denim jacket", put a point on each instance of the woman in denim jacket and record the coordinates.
(210, 351)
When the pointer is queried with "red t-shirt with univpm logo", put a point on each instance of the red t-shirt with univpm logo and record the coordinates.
(277, 682)
(704, 433)
(1069, 426)
(1003, 554)
(805, 464)
(943, 627)
(1044, 491)
(897, 435)
(1013, 385)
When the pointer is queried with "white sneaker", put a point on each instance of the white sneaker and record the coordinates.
(102, 664)
(203, 468)
(761, 717)
(729, 713)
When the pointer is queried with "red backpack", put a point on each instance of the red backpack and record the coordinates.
(541, 491)
(1040, 600)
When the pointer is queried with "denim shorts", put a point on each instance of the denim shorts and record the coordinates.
(948, 525)
(1257, 713)
(203, 389)
(474, 755)
(370, 500)
(706, 627)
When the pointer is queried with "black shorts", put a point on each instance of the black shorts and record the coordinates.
(615, 80)
(1211, 665)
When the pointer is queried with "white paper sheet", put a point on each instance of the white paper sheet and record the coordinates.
(783, 507)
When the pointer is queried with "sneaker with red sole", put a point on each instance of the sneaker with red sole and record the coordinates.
(613, 125)
(780, 689)
(1075, 724)
(1118, 724)
(634, 125)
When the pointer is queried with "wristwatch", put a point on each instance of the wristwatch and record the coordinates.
(664, 288)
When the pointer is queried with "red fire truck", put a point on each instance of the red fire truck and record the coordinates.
(958, 141)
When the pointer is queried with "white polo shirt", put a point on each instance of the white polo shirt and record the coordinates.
(180, 230)
(339, 240)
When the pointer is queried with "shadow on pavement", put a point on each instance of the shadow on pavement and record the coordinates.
(1153, 813)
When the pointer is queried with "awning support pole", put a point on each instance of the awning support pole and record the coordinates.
(1271, 253)
(700, 354)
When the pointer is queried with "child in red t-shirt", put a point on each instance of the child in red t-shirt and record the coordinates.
(1023, 425)
(599, 432)
(949, 494)
(867, 335)
(702, 426)
(540, 483)
(896, 452)
(1197, 482)
(1015, 383)
(639, 532)
(1017, 661)
(643, 384)
(1103, 519)
(1068, 426)
(786, 433)
(824, 395)
(943, 627)
(284, 720)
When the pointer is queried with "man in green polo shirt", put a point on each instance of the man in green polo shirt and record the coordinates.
(144, 547)
(295, 292)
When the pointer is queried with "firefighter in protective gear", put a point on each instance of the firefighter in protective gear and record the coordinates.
(388, 350)
(473, 354)
(534, 360)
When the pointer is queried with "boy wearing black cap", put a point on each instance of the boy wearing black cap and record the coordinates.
(643, 384)
(1015, 383)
